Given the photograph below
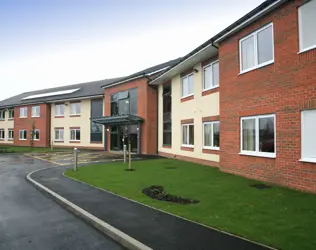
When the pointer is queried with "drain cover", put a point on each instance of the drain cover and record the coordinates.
(260, 186)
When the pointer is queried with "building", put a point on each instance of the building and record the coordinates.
(264, 104)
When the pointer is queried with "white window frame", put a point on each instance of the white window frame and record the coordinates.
(210, 65)
(75, 129)
(34, 109)
(304, 159)
(70, 109)
(186, 76)
(2, 115)
(58, 114)
(212, 137)
(39, 135)
(300, 31)
(11, 138)
(61, 138)
(2, 131)
(257, 152)
(257, 65)
(22, 139)
(24, 115)
(10, 113)
(182, 128)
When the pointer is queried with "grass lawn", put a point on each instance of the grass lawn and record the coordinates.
(277, 216)
(17, 149)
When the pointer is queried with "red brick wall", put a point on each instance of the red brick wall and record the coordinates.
(282, 88)
(147, 109)
(42, 123)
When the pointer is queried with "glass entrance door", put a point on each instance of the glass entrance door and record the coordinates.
(118, 137)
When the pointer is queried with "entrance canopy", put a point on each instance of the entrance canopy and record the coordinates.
(118, 119)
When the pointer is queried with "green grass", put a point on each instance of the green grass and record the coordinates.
(18, 149)
(278, 217)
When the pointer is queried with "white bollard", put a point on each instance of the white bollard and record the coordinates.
(124, 152)
(75, 159)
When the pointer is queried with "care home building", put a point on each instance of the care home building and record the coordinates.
(246, 99)
(243, 101)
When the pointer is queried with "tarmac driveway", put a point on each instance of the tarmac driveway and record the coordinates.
(29, 220)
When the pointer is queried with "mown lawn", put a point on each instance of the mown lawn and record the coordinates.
(18, 149)
(276, 216)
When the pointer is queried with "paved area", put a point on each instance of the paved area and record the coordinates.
(155, 229)
(66, 158)
(31, 221)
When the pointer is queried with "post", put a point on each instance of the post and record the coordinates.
(124, 151)
(75, 159)
(129, 156)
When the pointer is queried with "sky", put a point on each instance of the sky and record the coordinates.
(50, 43)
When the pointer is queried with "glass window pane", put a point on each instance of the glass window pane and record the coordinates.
(207, 77)
(191, 84)
(184, 135)
(307, 24)
(266, 134)
(215, 74)
(247, 53)
(78, 135)
(216, 135)
(207, 135)
(308, 133)
(249, 135)
(167, 138)
(191, 135)
(185, 90)
(265, 45)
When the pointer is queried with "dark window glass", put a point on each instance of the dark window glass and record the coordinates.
(123, 95)
(167, 133)
(123, 107)
(114, 108)
(167, 138)
(96, 131)
(133, 98)
(216, 135)
(266, 134)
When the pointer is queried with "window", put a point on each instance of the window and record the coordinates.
(59, 109)
(187, 85)
(167, 123)
(22, 135)
(188, 135)
(23, 112)
(2, 134)
(11, 134)
(211, 135)
(11, 113)
(36, 111)
(75, 134)
(59, 134)
(308, 135)
(211, 76)
(257, 50)
(2, 114)
(307, 20)
(75, 108)
(258, 135)
(35, 135)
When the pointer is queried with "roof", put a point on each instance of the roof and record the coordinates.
(82, 90)
(150, 73)
(250, 17)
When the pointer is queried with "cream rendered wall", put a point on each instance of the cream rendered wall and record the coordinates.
(200, 106)
(83, 122)
(6, 125)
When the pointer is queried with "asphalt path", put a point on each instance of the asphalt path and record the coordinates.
(29, 220)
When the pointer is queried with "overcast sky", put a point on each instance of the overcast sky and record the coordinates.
(49, 43)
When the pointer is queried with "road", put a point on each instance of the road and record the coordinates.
(29, 220)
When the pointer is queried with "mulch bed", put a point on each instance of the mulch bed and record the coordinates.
(158, 193)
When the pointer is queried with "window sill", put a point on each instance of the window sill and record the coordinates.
(187, 148)
(35, 116)
(10, 119)
(257, 154)
(59, 116)
(96, 142)
(210, 91)
(256, 67)
(166, 146)
(306, 49)
(74, 115)
(23, 117)
(10, 139)
(310, 160)
(74, 141)
(210, 150)
(2, 120)
(22, 139)
(58, 141)
(187, 98)
(1, 139)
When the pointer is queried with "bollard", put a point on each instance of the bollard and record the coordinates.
(75, 159)
(124, 152)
